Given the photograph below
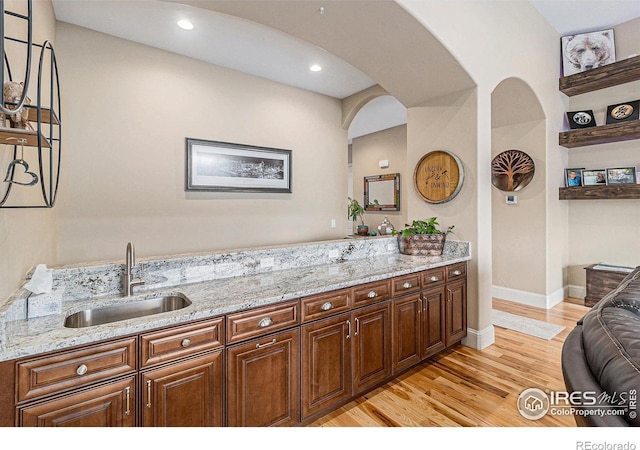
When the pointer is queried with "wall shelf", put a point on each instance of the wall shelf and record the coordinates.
(608, 192)
(604, 134)
(613, 74)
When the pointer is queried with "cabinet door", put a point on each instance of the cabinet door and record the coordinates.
(456, 314)
(406, 331)
(184, 394)
(433, 321)
(326, 364)
(263, 378)
(108, 405)
(372, 346)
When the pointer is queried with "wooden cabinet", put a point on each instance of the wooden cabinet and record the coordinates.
(406, 332)
(433, 321)
(325, 364)
(456, 312)
(371, 343)
(185, 391)
(106, 405)
(263, 378)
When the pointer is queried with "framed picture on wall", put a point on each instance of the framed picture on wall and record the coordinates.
(581, 119)
(222, 166)
(621, 175)
(586, 51)
(593, 177)
(573, 177)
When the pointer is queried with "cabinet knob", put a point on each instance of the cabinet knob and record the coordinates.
(185, 343)
(406, 285)
(327, 306)
(372, 294)
(457, 272)
(434, 278)
(265, 322)
(82, 369)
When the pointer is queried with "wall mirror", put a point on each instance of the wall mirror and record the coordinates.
(385, 189)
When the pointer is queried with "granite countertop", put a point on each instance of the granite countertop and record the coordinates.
(209, 299)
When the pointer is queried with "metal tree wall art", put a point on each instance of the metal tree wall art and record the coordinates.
(512, 170)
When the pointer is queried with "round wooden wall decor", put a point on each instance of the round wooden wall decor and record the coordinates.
(438, 176)
(512, 170)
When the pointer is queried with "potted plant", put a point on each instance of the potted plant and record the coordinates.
(355, 210)
(422, 238)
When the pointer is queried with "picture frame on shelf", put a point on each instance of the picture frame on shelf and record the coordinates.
(573, 176)
(621, 175)
(623, 111)
(581, 119)
(586, 51)
(228, 167)
(594, 177)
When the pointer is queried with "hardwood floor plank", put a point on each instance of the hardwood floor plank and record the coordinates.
(463, 387)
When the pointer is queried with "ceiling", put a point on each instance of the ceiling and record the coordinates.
(225, 34)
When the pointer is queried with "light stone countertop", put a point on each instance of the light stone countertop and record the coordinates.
(209, 299)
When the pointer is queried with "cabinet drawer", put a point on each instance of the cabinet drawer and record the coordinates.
(63, 371)
(258, 322)
(432, 277)
(323, 305)
(405, 284)
(371, 292)
(182, 341)
(456, 271)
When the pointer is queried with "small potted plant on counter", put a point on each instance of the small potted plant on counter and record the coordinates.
(355, 210)
(422, 238)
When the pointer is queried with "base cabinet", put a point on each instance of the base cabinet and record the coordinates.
(371, 346)
(184, 394)
(456, 312)
(109, 405)
(326, 364)
(263, 379)
(433, 322)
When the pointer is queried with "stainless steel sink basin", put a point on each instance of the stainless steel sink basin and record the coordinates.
(124, 311)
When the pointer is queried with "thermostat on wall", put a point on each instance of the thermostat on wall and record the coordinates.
(512, 199)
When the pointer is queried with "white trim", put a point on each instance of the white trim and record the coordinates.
(577, 291)
(480, 339)
(529, 298)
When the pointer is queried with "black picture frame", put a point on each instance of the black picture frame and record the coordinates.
(622, 112)
(229, 167)
(581, 119)
(621, 175)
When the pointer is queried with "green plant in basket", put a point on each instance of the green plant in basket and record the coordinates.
(423, 227)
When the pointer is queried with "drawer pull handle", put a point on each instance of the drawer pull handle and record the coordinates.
(265, 322)
(127, 391)
(457, 272)
(357, 326)
(82, 369)
(348, 329)
(327, 306)
(148, 394)
(273, 341)
(407, 285)
(372, 294)
(434, 278)
(185, 343)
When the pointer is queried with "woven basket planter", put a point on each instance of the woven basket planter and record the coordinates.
(422, 244)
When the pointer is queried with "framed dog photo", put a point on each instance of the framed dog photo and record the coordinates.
(594, 177)
(586, 51)
(621, 175)
(581, 119)
(623, 111)
(573, 177)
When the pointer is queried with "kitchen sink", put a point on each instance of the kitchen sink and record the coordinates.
(124, 311)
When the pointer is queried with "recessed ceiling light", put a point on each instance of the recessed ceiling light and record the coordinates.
(185, 24)
(315, 68)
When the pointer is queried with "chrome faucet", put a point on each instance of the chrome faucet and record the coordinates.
(129, 281)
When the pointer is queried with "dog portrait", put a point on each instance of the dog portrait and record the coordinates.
(587, 51)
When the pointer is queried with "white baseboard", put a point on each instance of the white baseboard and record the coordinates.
(480, 339)
(529, 298)
(577, 291)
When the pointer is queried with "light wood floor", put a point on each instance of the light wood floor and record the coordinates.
(471, 388)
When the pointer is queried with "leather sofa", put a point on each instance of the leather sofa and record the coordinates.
(601, 359)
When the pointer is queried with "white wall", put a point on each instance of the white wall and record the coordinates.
(27, 236)
(128, 111)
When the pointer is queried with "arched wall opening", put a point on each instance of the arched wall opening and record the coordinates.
(519, 251)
